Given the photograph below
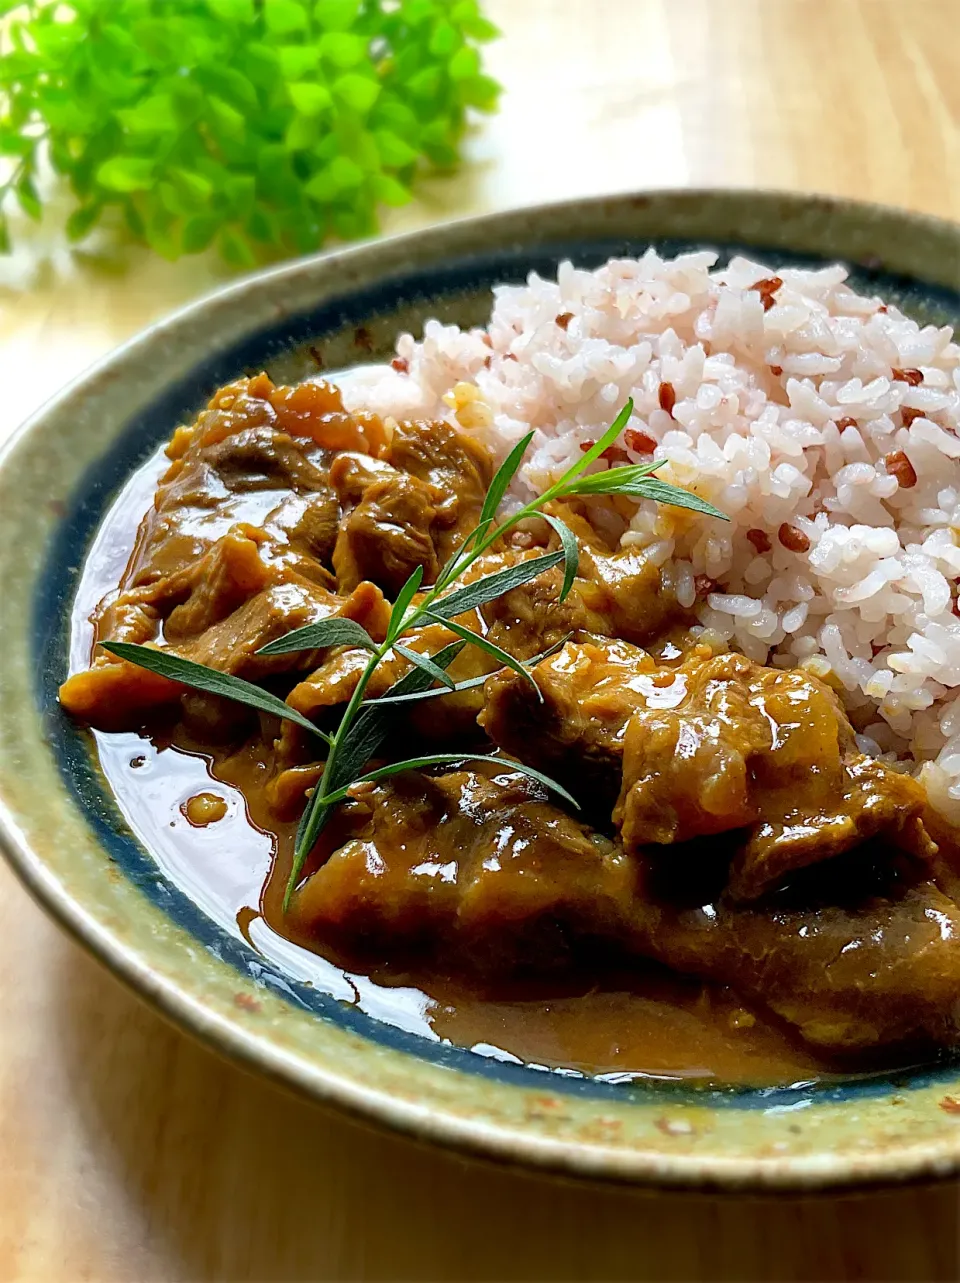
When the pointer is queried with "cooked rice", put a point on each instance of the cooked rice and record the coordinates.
(798, 409)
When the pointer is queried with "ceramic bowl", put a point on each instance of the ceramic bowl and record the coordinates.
(66, 839)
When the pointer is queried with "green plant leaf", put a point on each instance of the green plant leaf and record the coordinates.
(503, 657)
(444, 40)
(389, 191)
(343, 49)
(470, 683)
(335, 631)
(228, 120)
(357, 92)
(126, 173)
(209, 680)
(661, 492)
(130, 96)
(502, 478)
(425, 663)
(393, 150)
(451, 759)
(476, 594)
(571, 552)
(301, 133)
(309, 98)
(464, 64)
(297, 60)
(154, 115)
(481, 92)
(239, 12)
(336, 15)
(368, 731)
(341, 175)
(609, 482)
(361, 742)
(425, 84)
(417, 12)
(28, 198)
(199, 232)
(284, 17)
(404, 597)
(598, 447)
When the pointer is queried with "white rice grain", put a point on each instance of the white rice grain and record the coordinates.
(785, 416)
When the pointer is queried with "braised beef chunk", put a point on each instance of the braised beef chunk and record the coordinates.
(860, 954)
(232, 645)
(510, 885)
(388, 533)
(615, 594)
(262, 458)
(457, 469)
(235, 465)
(590, 690)
(714, 745)
(410, 508)
(235, 551)
(451, 718)
(486, 876)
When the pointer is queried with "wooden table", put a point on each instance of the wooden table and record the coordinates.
(129, 1153)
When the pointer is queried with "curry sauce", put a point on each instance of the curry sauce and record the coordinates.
(743, 896)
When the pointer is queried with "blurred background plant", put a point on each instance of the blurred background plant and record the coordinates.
(261, 126)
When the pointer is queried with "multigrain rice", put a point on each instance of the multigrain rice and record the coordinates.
(826, 424)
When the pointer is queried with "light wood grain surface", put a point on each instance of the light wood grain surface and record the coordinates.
(129, 1153)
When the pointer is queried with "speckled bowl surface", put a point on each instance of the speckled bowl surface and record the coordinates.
(66, 839)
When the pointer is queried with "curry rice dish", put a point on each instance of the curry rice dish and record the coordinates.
(675, 803)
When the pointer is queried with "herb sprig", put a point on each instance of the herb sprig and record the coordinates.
(263, 126)
(364, 723)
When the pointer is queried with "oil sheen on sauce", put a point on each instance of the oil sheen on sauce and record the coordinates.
(645, 1024)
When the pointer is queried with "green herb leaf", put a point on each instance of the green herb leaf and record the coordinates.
(370, 727)
(571, 552)
(361, 740)
(426, 663)
(336, 631)
(450, 759)
(471, 683)
(309, 98)
(433, 692)
(598, 447)
(495, 585)
(126, 173)
(661, 492)
(358, 744)
(502, 656)
(502, 478)
(613, 480)
(210, 680)
(404, 597)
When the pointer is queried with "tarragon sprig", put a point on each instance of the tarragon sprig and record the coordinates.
(365, 723)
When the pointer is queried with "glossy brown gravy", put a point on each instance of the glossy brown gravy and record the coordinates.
(234, 865)
(647, 1023)
(650, 1023)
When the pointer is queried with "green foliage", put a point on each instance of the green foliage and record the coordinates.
(264, 126)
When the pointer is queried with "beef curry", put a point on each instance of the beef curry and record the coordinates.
(742, 892)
